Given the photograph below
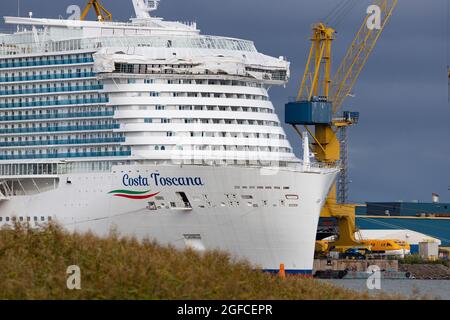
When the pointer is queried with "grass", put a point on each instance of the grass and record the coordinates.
(33, 265)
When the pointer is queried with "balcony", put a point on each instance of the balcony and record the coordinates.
(51, 90)
(60, 129)
(49, 116)
(45, 63)
(48, 77)
(67, 155)
(61, 142)
(51, 103)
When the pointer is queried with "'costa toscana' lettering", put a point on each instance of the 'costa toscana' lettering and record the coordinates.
(134, 182)
(175, 181)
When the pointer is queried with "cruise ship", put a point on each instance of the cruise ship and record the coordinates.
(152, 129)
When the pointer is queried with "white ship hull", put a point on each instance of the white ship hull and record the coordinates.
(266, 216)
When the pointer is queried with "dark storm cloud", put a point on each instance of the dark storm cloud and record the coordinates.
(400, 149)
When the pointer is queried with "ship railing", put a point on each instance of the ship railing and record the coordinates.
(87, 44)
(57, 164)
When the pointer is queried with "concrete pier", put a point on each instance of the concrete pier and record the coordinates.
(353, 265)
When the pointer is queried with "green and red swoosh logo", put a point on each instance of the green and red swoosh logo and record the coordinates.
(136, 195)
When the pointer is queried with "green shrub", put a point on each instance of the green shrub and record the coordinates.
(416, 259)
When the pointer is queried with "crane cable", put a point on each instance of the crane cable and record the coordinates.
(334, 10)
(343, 15)
(340, 12)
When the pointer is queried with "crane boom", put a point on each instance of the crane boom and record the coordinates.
(357, 55)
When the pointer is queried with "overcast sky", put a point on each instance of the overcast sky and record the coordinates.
(401, 148)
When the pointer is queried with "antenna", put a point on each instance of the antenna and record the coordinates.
(18, 13)
(144, 7)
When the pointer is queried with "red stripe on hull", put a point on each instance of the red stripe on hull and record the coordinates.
(136, 197)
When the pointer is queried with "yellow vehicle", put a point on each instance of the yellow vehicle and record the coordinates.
(321, 246)
(388, 246)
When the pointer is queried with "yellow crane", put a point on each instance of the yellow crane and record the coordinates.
(100, 11)
(321, 97)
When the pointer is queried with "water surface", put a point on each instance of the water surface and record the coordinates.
(432, 289)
